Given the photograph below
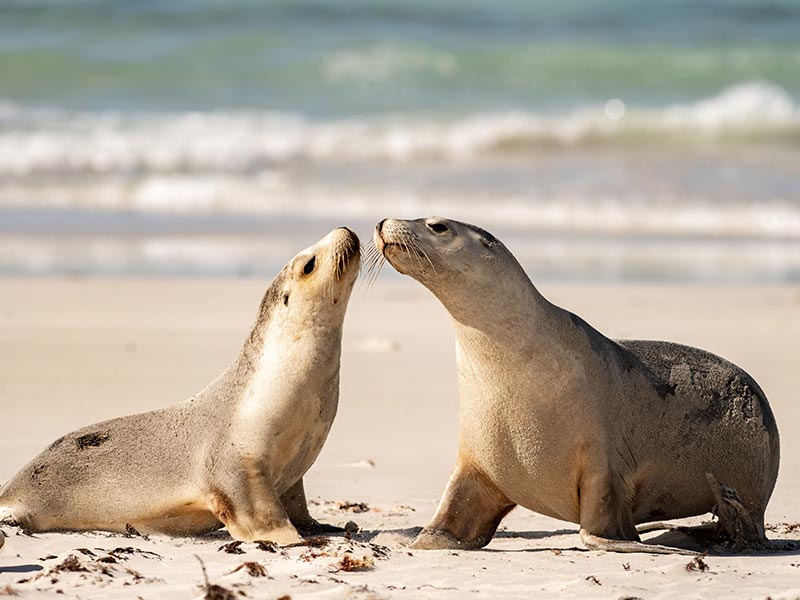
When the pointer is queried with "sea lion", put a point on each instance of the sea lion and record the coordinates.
(234, 454)
(559, 419)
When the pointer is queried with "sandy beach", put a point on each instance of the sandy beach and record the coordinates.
(76, 351)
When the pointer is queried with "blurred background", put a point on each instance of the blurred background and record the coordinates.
(606, 140)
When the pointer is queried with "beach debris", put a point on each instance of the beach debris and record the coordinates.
(8, 591)
(267, 546)
(137, 577)
(349, 563)
(626, 566)
(593, 579)
(131, 531)
(356, 507)
(436, 587)
(234, 547)
(317, 541)
(70, 564)
(311, 555)
(94, 568)
(212, 590)
(253, 569)
(378, 551)
(351, 527)
(697, 564)
(783, 527)
(364, 463)
(119, 553)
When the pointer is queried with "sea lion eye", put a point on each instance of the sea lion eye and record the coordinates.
(310, 265)
(437, 227)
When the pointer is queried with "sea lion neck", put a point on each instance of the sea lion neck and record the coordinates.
(504, 309)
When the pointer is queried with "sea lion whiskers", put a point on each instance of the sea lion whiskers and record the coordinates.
(410, 242)
(374, 260)
(407, 240)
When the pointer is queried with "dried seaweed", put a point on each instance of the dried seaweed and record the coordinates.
(696, 564)
(356, 507)
(352, 563)
(213, 591)
(253, 569)
(234, 547)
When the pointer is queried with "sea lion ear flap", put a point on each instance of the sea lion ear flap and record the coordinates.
(488, 240)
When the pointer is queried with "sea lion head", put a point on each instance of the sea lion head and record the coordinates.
(436, 247)
(471, 272)
(321, 276)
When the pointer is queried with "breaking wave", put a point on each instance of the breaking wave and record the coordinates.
(38, 141)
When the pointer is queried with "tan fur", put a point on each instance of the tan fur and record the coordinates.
(235, 453)
(557, 418)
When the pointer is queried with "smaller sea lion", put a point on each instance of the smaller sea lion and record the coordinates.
(234, 454)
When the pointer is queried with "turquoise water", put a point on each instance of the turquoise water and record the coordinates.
(346, 57)
(613, 139)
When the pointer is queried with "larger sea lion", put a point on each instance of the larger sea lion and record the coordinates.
(234, 454)
(559, 419)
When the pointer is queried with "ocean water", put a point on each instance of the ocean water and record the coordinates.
(604, 140)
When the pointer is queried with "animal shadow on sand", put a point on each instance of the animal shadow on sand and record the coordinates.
(406, 533)
(675, 538)
(20, 569)
(687, 538)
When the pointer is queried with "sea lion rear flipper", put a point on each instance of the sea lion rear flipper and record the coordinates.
(605, 516)
(468, 514)
(741, 530)
(593, 542)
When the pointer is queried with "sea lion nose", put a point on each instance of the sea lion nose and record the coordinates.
(379, 226)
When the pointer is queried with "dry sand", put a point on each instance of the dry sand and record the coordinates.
(79, 351)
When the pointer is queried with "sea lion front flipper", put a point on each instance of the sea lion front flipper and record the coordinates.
(468, 514)
(296, 506)
(251, 511)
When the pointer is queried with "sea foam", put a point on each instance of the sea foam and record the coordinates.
(36, 141)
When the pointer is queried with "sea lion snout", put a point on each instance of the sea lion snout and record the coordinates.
(346, 248)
